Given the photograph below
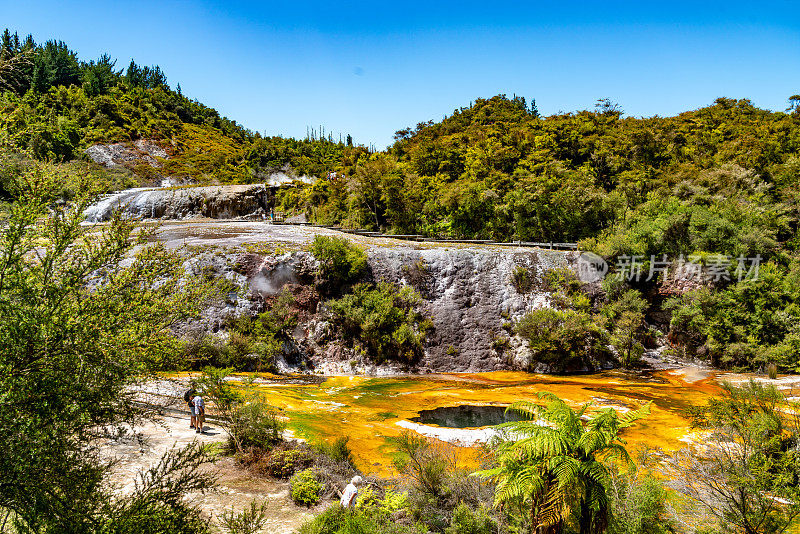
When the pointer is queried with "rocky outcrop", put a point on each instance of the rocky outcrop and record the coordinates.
(215, 202)
(127, 154)
(468, 293)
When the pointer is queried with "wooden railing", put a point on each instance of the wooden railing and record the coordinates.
(421, 238)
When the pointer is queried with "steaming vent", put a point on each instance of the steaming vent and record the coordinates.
(270, 278)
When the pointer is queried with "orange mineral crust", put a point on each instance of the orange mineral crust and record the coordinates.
(373, 410)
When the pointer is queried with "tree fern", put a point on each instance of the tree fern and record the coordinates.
(554, 466)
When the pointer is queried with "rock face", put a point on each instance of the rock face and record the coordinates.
(126, 154)
(468, 293)
(215, 202)
(470, 297)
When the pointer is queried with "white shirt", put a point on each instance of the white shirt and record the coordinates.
(349, 495)
(198, 403)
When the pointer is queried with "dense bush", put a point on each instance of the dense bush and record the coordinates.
(305, 488)
(523, 280)
(468, 520)
(563, 339)
(283, 462)
(251, 345)
(338, 451)
(340, 261)
(255, 424)
(582, 330)
(638, 505)
(250, 422)
(750, 323)
(437, 484)
(384, 319)
(83, 323)
(337, 520)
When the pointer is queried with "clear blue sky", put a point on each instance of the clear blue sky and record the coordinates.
(370, 69)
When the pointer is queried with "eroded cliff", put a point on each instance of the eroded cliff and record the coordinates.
(467, 292)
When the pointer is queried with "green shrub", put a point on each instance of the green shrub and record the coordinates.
(522, 279)
(340, 261)
(306, 489)
(501, 343)
(749, 324)
(772, 371)
(564, 339)
(254, 424)
(370, 502)
(252, 345)
(468, 521)
(338, 451)
(283, 463)
(384, 319)
(638, 505)
(248, 521)
(338, 520)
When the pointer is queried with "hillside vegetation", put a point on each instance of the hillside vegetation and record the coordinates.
(722, 181)
(54, 105)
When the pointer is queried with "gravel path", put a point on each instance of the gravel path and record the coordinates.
(235, 490)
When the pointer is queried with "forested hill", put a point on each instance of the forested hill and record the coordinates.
(499, 170)
(54, 105)
(723, 180)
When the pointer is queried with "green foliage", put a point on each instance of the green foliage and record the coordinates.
(384, 319)
(557, 474)
(338, 520)
(752, 323)
(77, 333)
(248, 419)
(248, 521)
(577, 332)
(468, 521)
(340, 261)
(426, 464)
(305, 488)
(523, 280)
(638, 505)
(255, 424)
(624, 313)
(213, 384)
(437, 485)
(747, 475)
(251, 345)
(338, 451)
(564, 339)
(284, 462)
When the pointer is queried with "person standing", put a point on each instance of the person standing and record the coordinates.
(351, 492)
(188, 396)
(200, 412)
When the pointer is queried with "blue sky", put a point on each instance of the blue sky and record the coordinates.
(369, 69)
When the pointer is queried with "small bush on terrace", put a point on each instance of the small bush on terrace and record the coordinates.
(251, 423)
(306, 489)
(255, 424)
(338, 451)
(337, 520)
(563, 338)
(523, 280)
(340, 261)
(283, 462)
(384, 319)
